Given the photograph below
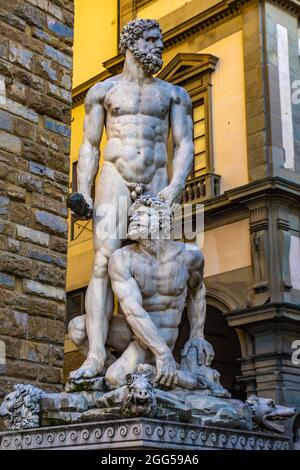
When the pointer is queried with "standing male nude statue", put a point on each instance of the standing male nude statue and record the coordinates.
(138, 112)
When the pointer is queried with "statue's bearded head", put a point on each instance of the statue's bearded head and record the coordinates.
(150, 219)
(144, 39)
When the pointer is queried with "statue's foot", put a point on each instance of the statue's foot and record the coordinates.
(89, 369)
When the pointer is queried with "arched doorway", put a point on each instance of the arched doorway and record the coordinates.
(227, 350)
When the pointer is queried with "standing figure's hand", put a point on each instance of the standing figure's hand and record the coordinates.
(81, 205)
(170, 194)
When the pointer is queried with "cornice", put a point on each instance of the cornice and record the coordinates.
(268, 312)
(236, 203)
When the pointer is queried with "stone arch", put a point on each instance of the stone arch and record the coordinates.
(296, 432)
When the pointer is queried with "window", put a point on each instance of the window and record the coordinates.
(75, 303)
(199, 139)
(193, 72)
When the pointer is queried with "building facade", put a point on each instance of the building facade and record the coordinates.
(36, 40)
(239, 61)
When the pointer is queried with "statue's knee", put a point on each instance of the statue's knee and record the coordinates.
(101, 263)
(77, 330)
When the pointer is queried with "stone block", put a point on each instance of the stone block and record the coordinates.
(50, 222)
(6, 121)
(9, 18)
(56, 331)
(48, 274)
(20, 56)
(40, 201)
(29, 79)
(30, 182)
(34, 352)
(35, 236)
(40, 170)
(11, 347)
(10, 143)
(66, 80)
(24, 129)
(13, 245)
(57, 127)
(16, 265)
(47, 105)
(49, 7)
(43, 290)
(4, 205)
(13, 323)
(33, 151)
(45, 37)
(60, 29)
(32, 15)
(19, 213)
(6, 228)
(58, 92)
(58, 57)
(21, 369)
(37, 306)
(37, 329)
(55, 190)
(13, 192)
(20, 110)
(6, 281)
(41, 255)
(56, 355)
(58, 161)
(58, 244)
(50, 374)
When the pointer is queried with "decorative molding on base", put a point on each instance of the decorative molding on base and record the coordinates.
(143, 433)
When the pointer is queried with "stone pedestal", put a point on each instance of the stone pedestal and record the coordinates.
(140, 433)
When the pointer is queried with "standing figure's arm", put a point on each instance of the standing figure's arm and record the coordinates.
(182, 129)
(81, 202)
(89, 153)
(129, 295)
(196, 310)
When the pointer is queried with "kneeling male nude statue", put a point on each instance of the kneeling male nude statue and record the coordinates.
(138, 112)
(153, 280)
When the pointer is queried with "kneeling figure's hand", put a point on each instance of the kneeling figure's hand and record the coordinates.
(166, 374)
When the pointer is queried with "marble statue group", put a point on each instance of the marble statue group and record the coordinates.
(130, 369)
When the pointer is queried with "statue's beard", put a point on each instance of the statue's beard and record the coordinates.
(150, 61)
(142, 233)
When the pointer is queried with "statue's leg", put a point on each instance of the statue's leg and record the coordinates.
(134, 355)
(109, 227)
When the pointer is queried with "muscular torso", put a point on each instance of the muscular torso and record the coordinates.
(163, 285)
(137, 127)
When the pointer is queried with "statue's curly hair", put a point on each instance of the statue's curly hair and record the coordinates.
(133, 30)
(165, 212)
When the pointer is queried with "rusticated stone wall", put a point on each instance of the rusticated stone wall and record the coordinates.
(36, 38)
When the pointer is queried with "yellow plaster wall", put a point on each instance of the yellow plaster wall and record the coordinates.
(229, 113)
(221, 251)
(95, 37)
(160, 8)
